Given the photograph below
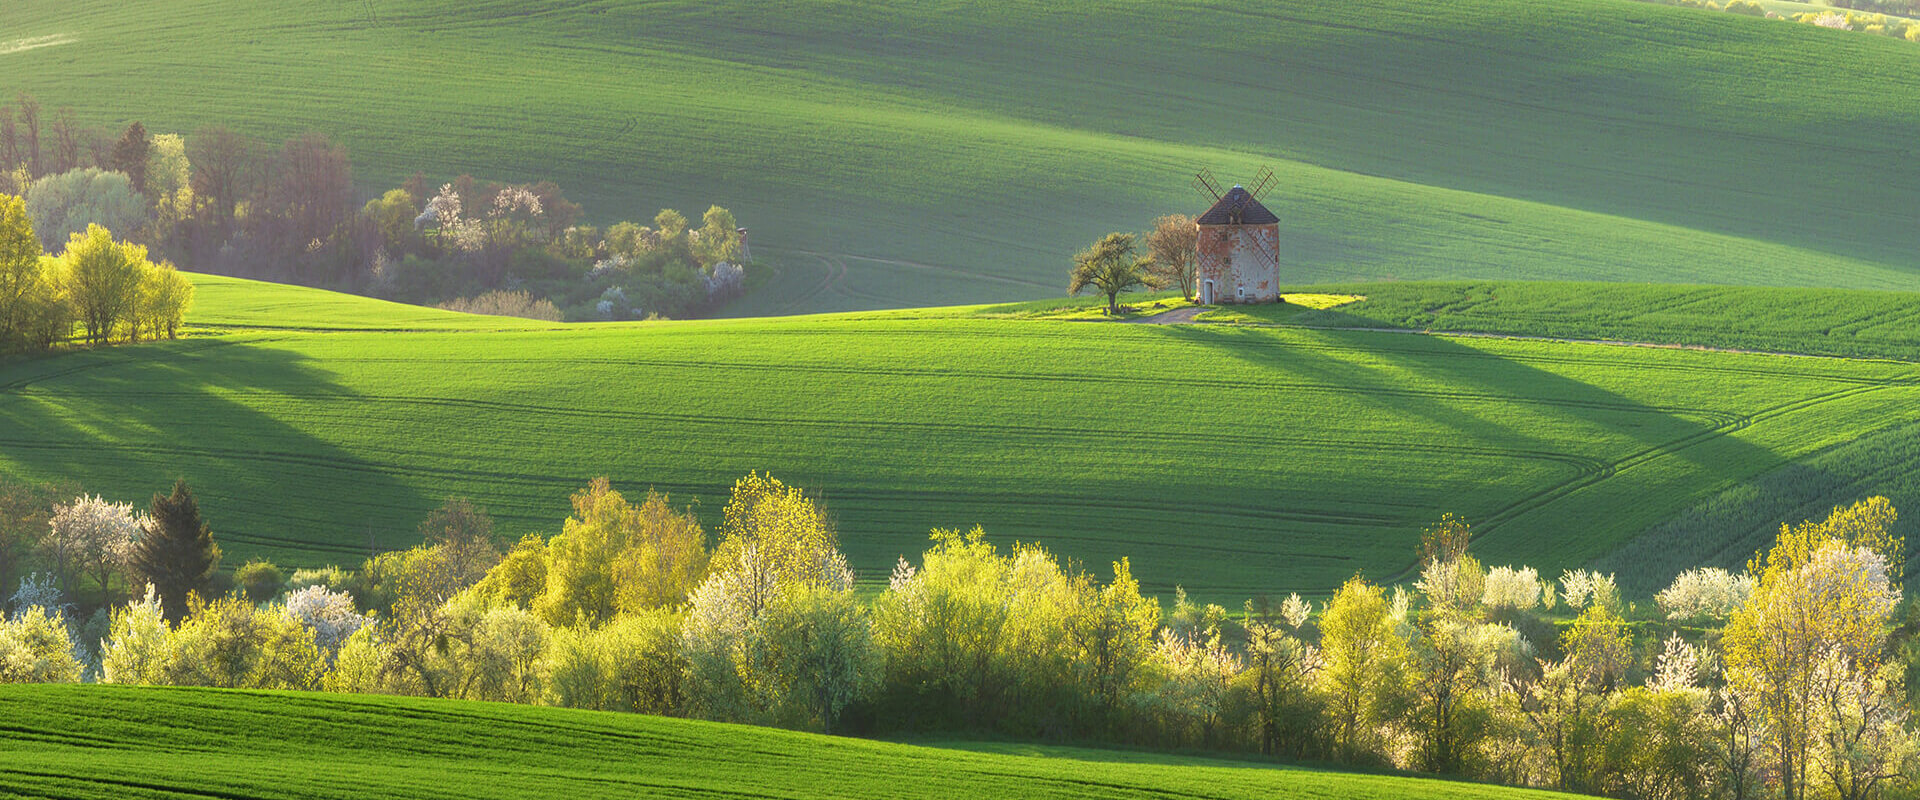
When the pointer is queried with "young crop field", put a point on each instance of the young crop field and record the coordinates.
(1852, 323)
(1233, 460)
(891, 155)
(87, 742)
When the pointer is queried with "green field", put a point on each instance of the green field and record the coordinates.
(891, 155)
(87, 742)
(1235, 460)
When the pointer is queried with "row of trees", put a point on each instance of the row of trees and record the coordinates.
(1866, 16)
(1786, 681)
(109, 287)
(226, 203)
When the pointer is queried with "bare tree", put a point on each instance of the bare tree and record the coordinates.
(1173, 245)
(66, 141)
(99, 145)
(219, 158)
(311, 190)
(9, 140)
(30, 130)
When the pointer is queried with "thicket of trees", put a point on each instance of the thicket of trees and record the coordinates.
(108, 287)
(229, 204)
(1866, 16)
(1789, 680)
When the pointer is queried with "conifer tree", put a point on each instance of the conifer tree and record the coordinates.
(130, 156)
(177, 555)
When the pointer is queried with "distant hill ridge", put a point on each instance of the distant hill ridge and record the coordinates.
(891, 155)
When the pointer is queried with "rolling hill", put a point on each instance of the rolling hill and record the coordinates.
(88, 742)
(891, 155)
(1234, 460)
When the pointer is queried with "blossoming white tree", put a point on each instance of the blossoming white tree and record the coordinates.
(92, 536)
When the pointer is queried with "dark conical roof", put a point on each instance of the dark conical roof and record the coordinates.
(1237, 207)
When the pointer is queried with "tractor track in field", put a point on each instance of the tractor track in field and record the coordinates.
(1715, 416)
(1532, 502)
(1718, 419)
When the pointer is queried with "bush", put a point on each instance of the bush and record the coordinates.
(232, 645)
(633, 663)
(1710, 592)
(506, 304)
(35, 648)
(259, 581)
(64, 205)
(333, 578)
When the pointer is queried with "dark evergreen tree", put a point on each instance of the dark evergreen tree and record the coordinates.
(130, 157)
(177, 555)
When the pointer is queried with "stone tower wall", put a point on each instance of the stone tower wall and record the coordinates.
(1241, 260)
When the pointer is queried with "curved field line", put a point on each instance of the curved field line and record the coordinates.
(1517, 358)
(1715, 416)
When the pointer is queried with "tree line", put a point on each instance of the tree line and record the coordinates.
(229, 204)
(1788, 679)
(108, 287)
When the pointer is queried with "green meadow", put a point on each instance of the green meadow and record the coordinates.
(87, 742)
(1235, 460)
(895, 155)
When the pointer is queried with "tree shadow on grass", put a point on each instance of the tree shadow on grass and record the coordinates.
(1585, 512)
(125, 421)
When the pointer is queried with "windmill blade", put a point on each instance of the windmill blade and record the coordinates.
(1262, 181)
(1204, 183)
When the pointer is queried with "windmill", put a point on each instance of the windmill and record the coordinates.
(1238, 239)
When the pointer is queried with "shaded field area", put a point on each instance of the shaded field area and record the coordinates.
(890, 155)
(1835, 322)
(86, 742)
(1233, 460)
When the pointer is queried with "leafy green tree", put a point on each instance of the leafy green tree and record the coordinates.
(259, 580)
(35, 647)
(392, 214)
(1456, 666)
(1112, 267)
(104, 278)
(177, 556)
(1825, 590)
(613, 556)
(788, 531)
(1113, 630)
(812, 656)
(1365, 669)
(21, 277)
(719, 237)
(165, 297)
(972, 634)
(230, 644)
(67, 204)
(634, 663)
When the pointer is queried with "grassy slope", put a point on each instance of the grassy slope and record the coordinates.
(925, 153)
(1234, 460)
(235, 303)
(87, 742)
(1849, 323)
